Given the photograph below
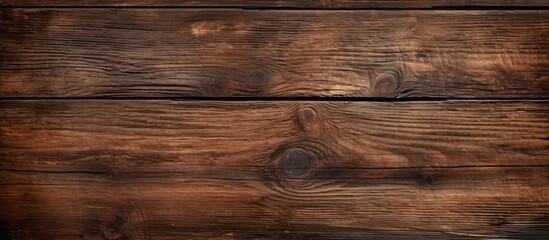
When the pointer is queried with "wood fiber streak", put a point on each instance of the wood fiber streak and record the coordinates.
(224, 53)
(325, 4)
(137, 169)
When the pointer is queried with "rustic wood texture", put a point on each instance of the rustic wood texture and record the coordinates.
(324, 4)
(223, 53)
(140, 169)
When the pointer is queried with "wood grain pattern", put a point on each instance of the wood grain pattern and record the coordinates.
(324, 4)
(506, 203)
(224, 53)
(163, 135)
(138, 169)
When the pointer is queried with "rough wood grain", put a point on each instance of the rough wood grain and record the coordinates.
(222, 53)
(140, 169)
(461, 203)
(99, 135)
(299, 4)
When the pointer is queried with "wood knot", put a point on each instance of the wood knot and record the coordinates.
(124, 222)
(307, 118)
(115, 227)
(295, 164)
(113, 174)
(303, 164)
(386, 84)
(259, 78)
(427, 178)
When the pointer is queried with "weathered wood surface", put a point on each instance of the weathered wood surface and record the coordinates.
(461, 203)
(223, 53)
(303, 4)
(335, 170)
(87, 135)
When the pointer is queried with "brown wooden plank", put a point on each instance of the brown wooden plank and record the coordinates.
(206, 137)
(330, 4)
(460, 203)
(222, 53)
(161, 169)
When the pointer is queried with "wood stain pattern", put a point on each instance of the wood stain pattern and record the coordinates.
(306, 119)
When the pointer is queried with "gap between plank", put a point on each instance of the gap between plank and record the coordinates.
(281, 99)
(239, 8)
(357, 168)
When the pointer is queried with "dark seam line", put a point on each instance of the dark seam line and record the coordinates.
(359, 168)
(275, 99)
(244, 8)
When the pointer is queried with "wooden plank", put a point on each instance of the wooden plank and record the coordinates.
(325, 170)
(461, 203)
(298, 4)
(223, 53)
(205, 136)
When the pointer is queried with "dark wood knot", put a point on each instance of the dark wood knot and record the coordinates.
(307, 118)
(115, 226)
(124, 222)
(295, 164)
(303, 164)
(113, 174)
(259, 78)
(386, 84)
(427, 178)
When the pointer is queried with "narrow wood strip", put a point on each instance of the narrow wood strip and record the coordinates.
(330, 4)
(224, 53)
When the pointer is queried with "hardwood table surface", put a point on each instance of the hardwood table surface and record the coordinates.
(286, 119)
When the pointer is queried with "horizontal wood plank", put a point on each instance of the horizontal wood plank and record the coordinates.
(225, 53)
(299, 4)
(461, 203)
(163, 135)
(227, 170)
